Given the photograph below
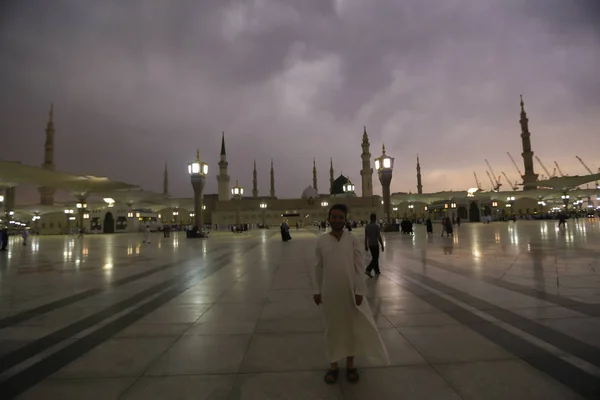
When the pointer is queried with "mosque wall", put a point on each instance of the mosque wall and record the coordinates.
(309, 210)
(104, 220)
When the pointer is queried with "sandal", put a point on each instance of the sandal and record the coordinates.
(352, 375)
(331, 376)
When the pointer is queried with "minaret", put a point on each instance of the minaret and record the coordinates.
(47, 194)
(315, 175)
(419, 185)
(530, 177)
(223, 178)
(166, 182)
(272, 180)
(331, 176)
(366, 172)
(254, 182)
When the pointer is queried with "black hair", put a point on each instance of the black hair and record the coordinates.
(342, 207)
(373, 217)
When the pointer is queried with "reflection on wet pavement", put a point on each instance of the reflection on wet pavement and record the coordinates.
(503, 311)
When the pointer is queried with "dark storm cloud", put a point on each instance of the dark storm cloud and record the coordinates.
(139, 82)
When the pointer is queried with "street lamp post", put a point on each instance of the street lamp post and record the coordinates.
(511, 201)
(510, 204)
(384, 166)
(565, 198)
(81, 208)
(324, 205)
(36, 217)
(4, 213)
(69, 217)
(263, 207)
(237, 191)
(542, 204)
(198, 170)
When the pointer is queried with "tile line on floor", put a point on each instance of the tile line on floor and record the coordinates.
(238, 372)
(576, 379)
(73, 299)
(578, 348)
(591, 310)
(22, 381)
(19, 355)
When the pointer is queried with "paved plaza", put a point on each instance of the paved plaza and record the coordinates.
(500, 311)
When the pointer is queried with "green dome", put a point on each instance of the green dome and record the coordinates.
(338, 185)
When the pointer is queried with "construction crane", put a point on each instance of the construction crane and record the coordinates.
(544, 167)
(498, 184)
(585, 166)
(588, 169)
(495, 184)
(558, 168)
(477, 181)
(515, 164)
(514, 187)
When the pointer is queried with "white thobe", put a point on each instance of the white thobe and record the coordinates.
(350, 330)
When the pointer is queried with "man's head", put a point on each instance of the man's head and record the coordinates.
(373, 217)
(337, 216)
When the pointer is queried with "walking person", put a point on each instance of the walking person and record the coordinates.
(448, 227)
(285, 232)
(562, 220)
(372, 241)
(147, 235)
(429, 225)
(4, 239)
(340, 289)
(25, 235)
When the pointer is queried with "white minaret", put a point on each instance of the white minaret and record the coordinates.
(166, 182)
(254, 182)
(366, 172)
(272, 180)
(330, 175)
(46, 193)
(223, 178)
(315, 176)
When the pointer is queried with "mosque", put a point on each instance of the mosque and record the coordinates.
(104, 206)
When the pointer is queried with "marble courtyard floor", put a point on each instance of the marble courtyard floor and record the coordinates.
(500, 311)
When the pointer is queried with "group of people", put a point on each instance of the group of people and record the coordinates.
(447, 226)
(4, 238)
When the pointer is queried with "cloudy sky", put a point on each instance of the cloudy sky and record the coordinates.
(139, 83)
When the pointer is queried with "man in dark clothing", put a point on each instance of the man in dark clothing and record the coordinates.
(4, 239)
(372, 241)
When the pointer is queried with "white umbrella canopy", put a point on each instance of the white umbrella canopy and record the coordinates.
(14, 173)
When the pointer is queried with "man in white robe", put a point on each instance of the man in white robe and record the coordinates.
(339, 286)
(147, 235)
